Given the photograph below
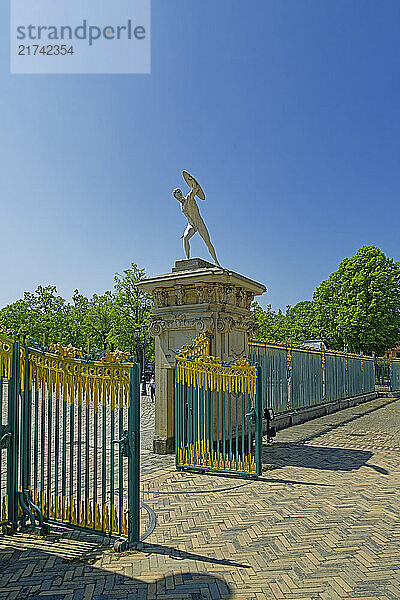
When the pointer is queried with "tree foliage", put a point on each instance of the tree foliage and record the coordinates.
(41, 313)
(303, 323)
(133, 306)
(100, 322)
(297, 324)
(357, 307)
(271, 325)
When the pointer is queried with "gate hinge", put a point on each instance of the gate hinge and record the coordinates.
(5, 436)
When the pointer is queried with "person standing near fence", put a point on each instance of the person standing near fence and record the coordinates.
(152, 388)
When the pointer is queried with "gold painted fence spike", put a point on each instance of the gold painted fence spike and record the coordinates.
(196, 368)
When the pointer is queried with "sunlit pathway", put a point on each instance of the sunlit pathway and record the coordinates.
(322, 523)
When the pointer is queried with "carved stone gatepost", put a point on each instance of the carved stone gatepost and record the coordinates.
(196, 296)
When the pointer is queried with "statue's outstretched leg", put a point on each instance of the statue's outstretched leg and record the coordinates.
(189, 232)
(203, 231)
(211, 249)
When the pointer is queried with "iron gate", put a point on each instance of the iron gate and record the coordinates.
(70, 441)
(218, 414)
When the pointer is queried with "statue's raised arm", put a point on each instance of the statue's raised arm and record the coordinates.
(191, 211)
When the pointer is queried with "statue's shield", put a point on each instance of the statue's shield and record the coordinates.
(191, 181)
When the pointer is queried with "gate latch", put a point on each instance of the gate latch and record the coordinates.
(252, 414)
(5, 436)
(124, 441)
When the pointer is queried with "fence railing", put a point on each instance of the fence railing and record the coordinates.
(72, 449)
(395, 375)
(294, 377)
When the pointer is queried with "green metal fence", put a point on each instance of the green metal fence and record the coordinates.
(294, 378)
(218, 418)
(72, 452)
(395, 375)
(8, 394)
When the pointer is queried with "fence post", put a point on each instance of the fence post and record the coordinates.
(25, 424)
(259, 424)
(362, 371)
(13, 419)
(134, 455)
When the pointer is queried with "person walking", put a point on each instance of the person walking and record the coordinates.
(152, 388)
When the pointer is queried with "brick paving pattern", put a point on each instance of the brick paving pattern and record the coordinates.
(321, 523)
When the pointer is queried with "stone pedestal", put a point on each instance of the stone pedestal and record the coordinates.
(196, 296)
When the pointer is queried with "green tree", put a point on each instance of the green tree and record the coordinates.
(99, 320)
(97, 323)
(271, 325)
(132, 309)
(42, 314)
(78, 331)
(302, 324)
(358, 306)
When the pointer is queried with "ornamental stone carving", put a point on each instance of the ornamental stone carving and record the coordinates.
(225, 324)
(200, 324)
(195, 297)
(240, 298)
(180, 295)
(204, 324)
(221, 295)
(160, 298)
(231, 295)
(181, 322)
(211, 293)
(201, 294)
(248, 300)
(156, 327)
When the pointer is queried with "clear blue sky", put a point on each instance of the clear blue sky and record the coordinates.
(286, 111)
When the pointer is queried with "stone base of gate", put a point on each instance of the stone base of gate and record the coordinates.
(195, 297)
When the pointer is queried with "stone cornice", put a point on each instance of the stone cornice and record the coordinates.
(201, 276)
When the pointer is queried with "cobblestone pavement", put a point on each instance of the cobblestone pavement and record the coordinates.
(321, 523)
(147, 422)
(150, 462)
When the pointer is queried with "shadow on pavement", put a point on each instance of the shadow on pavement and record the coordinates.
(283, 454)
(36, 574)
(183, 555)
(331, 427)
(290, 481)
